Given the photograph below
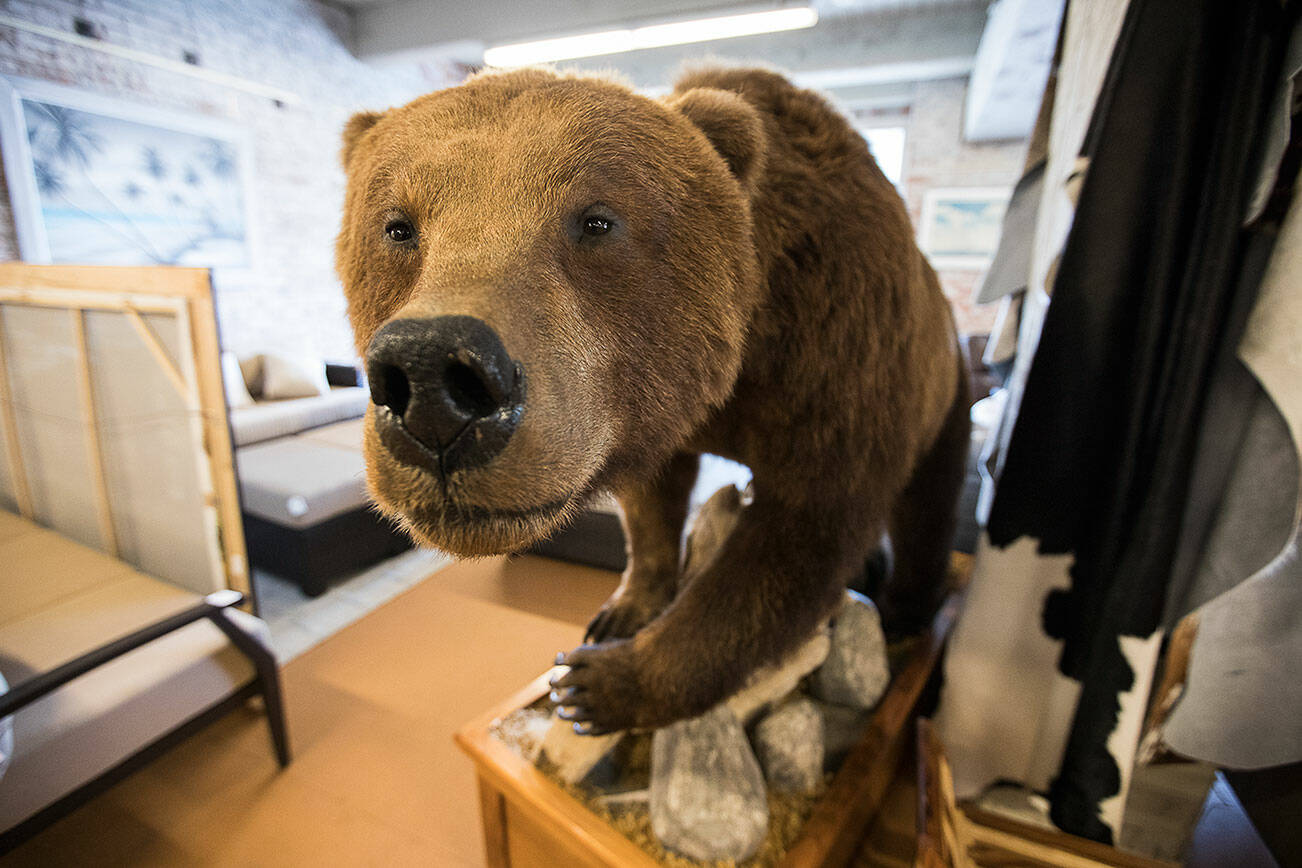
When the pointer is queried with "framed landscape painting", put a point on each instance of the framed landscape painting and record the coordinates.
(961, 225)
(98, 181)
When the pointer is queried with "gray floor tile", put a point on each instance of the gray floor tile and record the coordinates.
(297, 621)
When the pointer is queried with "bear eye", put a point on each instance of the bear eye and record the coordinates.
(596, 225)
(399, 230)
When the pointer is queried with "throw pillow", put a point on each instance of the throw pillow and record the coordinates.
(292, 376)
(251, 366)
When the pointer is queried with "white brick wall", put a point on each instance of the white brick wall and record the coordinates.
(290, 298)
(937, 156)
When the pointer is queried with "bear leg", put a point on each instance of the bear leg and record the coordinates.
(923, 522)
(653, 519)
(781, 570)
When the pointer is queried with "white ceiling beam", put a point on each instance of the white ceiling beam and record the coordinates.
(884, 73)
(903, 44)
(1012, 66)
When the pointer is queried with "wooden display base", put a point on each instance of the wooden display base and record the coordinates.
(531, 821)
(954, 835)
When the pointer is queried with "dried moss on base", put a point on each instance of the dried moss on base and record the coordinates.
(787, 816)
(629, 769)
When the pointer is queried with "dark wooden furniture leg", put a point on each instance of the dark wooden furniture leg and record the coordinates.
(264, 662)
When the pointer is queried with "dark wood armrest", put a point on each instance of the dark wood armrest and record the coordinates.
(34, 688)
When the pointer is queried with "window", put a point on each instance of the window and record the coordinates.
(887, 145)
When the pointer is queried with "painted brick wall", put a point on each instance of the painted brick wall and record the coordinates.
(289, 298)
(936, 156)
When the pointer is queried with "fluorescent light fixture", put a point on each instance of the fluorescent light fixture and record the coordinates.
(652, 36)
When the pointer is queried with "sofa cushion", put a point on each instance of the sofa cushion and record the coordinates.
(251, 368)
(300, 481)
(345, 435)
(267, 420)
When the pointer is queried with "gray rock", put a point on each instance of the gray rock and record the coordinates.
(573, 755)
(789, 744)
(710, 528)
(624, 799)
(707, 791)
(769, 685)
(843, 728)
(856, 672)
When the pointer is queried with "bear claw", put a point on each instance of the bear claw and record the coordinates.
(618, 620)
(612, 623)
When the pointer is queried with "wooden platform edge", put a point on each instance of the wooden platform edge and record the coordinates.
(541, 798)
(835, 829)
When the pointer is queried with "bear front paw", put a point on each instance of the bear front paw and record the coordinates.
(601, 692)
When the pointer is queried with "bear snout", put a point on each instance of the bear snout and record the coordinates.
(446, 391)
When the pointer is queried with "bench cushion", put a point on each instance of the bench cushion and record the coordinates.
(62, 600)
(41, 568)
(14, 525)
(301, 481)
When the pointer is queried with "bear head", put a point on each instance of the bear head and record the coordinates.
(551, 278)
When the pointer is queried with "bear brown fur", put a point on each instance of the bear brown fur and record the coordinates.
(757, 294)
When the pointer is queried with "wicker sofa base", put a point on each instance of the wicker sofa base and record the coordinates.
(313, 556)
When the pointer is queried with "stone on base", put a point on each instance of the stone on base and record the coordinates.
(574, 755)
(789, 743)
(707, 791)
(772, 684)
(856, 672)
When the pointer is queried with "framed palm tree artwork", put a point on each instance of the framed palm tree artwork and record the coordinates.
(960, 226)
(94, 180)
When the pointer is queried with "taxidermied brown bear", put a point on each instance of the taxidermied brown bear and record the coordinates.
(562, 286)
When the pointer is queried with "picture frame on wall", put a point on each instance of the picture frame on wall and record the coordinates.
(960, 226)
(99, 181)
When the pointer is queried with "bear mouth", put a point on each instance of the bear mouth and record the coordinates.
(446, 510)
(408, 449)
(471, 530)
(472, 514)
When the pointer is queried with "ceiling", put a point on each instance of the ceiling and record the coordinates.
(634, 10)
(866, 52)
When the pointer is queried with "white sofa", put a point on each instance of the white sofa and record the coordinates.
(266, 420)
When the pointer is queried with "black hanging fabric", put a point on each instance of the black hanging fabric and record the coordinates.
(1147, 288)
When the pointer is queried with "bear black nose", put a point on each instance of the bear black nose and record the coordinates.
(448, 384)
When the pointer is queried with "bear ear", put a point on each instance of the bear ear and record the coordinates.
(356, 127)
(731, 124)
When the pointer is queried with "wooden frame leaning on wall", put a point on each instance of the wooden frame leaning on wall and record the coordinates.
(170, 313)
